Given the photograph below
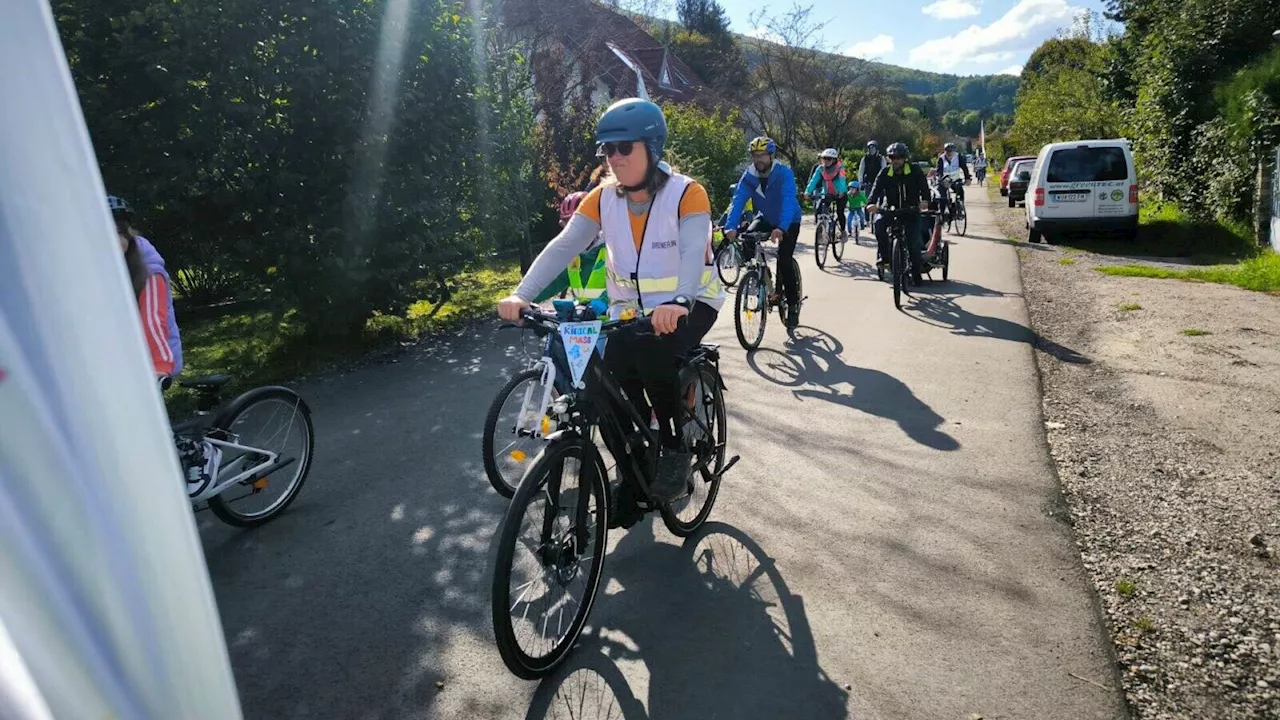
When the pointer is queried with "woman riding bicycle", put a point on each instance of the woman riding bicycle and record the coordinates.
(656, 225)
(151, 287)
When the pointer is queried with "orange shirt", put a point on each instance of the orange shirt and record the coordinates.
(693, 201)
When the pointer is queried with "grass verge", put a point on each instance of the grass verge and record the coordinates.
(264, 347)
(1260, 273)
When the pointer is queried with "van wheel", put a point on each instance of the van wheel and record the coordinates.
(1033, 235)
(1011, 202)
(1130, 234)
(1048, 239)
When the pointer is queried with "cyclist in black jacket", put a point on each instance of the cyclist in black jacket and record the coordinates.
(870, 166)
(902, 187)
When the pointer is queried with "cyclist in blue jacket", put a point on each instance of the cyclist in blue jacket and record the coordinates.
(772, 189)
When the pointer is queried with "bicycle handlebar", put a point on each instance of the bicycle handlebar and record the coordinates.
(545, 323)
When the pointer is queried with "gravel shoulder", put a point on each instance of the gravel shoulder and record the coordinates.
(1164, 424)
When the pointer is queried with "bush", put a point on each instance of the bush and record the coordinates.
(707, 146)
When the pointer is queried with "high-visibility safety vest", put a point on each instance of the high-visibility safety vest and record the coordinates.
(596, 282)
(649, 277)
(950, 164)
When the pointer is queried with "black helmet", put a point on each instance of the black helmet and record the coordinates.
(119, 208)
(898, 149)
(949, 147)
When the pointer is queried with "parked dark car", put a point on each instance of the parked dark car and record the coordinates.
(1008, 167)
(1019, 179)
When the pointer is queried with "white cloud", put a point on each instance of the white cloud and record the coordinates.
(761, 33)
(1019, 31)
(950, 9)
(877, 46)
(1011, 70)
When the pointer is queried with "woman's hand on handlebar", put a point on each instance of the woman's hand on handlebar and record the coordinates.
(775, 236)
(871, 208)
(730, 234)
(665, 318)
(510, 307)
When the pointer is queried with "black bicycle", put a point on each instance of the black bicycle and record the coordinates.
(825, 235)
(757, 292)
(559, 518)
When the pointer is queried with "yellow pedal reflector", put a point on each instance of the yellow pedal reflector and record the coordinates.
(259, 484)
(546, 425)
(518, 455)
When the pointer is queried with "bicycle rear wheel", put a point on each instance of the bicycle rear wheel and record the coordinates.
(821, 243)
(728, 263)
(706, 433)
(751, 310)
(506, 465)
(557, 528)
(271, 419)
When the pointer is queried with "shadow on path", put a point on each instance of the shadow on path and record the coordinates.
(816, 370)
(938, 306)
(715, 626)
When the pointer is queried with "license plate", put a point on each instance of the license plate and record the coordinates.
(1070, 196)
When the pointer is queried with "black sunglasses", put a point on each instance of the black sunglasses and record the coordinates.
(622, 147)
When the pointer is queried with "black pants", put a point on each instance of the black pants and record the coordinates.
(945, 198)
(645, 363)
(842, 202)
(788, 284)
(911, 226)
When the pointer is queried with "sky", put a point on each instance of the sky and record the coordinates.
(964, 37)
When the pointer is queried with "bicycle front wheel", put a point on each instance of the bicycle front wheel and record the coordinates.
(751, 310)
(551, 547)
(706, 432)
(962, 218)
(508, 447)
(821, 242)
(837, 246)
(899, 270)
(266, 420)
(728, 263)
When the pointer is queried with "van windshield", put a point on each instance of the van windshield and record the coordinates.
(1087, 164)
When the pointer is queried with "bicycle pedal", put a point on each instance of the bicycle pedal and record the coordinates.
(729, 465)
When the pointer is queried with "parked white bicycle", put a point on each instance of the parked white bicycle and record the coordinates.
(246, 460)
(523, 415)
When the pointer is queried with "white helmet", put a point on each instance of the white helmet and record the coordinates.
(830, 153)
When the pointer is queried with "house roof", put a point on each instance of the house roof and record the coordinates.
(620, 47)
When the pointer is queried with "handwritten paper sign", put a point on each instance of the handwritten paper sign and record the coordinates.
(579, 341)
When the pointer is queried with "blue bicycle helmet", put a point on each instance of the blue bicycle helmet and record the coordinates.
(634, 119)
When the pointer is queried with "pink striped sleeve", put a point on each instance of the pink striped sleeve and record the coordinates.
(154, 304)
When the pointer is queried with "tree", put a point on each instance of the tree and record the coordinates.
(802, 97)
(719, 62)
(706, 145)
(1062, 96)
(705, 17)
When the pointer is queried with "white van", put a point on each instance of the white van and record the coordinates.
(1082, 185)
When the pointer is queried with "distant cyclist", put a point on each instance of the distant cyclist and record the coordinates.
(870, 166)
(772, 188)
(829, 178)
(150, 282)
(949, 163)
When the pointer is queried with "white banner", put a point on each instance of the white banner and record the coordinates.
(105, 603)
